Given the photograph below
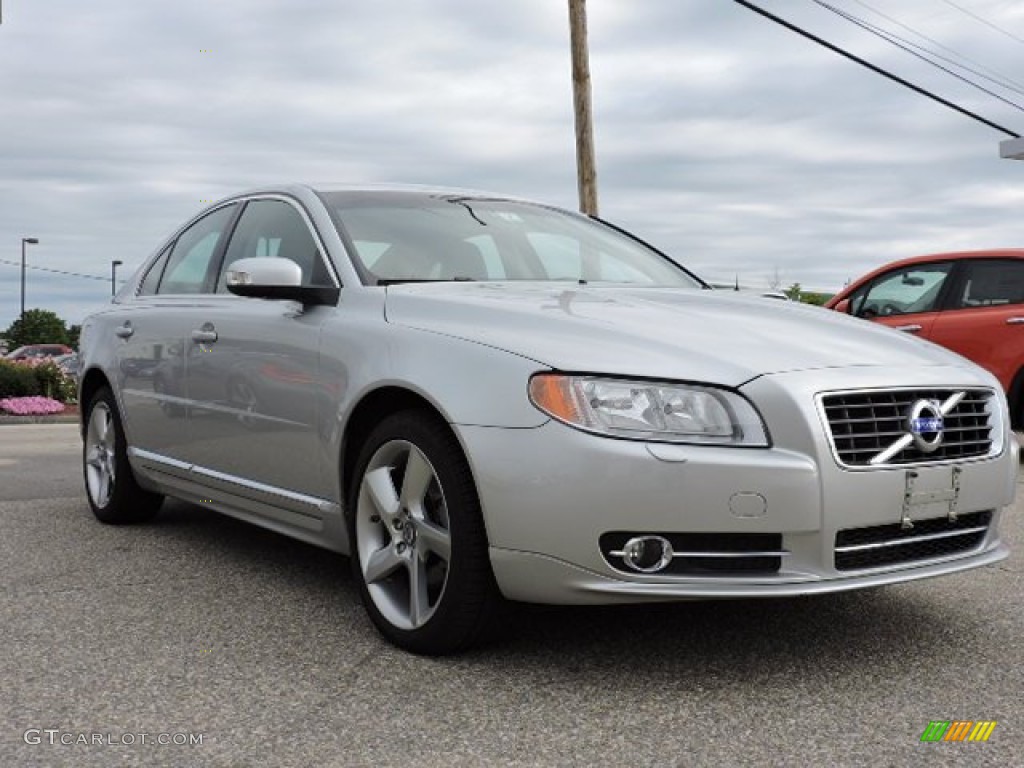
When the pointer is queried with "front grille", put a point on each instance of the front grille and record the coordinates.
(706, 554)
(892, 544)
(865, 424)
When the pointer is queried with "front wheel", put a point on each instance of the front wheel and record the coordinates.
(419, 548)
(113, 494)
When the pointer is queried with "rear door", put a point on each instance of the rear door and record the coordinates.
(150, 332)
(985, 318)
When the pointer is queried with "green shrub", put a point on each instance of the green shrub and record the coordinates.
(50, 379)
(18, 380)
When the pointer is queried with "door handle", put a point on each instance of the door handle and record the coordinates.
(204, 335)
(912, 328)
(1015, 321)
(125, 331)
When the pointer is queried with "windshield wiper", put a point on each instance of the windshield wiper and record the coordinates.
(401, 280)
(462, 201)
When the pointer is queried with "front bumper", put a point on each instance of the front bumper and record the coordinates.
(534, 578)
(549, 494)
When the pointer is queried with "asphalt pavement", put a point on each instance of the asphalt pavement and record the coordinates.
(238, 647)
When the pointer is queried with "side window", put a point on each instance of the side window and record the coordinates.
(189, 263)
(992, 283)
(274, 229)
(152, 278)
(908, 290)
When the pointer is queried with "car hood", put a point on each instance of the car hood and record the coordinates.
(673, 334)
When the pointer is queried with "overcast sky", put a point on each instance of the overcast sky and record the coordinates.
(735, 145)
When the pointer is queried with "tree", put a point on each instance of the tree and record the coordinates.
(39, 326)
(793, 291)
(815, 298)
(74, 332)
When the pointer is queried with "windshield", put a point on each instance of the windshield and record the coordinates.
(404, 237)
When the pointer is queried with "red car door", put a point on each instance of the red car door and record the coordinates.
(985, 318)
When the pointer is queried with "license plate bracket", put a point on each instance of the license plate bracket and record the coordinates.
(912, 498)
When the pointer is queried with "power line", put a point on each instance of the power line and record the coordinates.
(984, 21)
(875, 68)
(55, 271)
(891, 38)
(1003, 79)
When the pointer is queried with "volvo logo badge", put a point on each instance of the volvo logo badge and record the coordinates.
(925, 424)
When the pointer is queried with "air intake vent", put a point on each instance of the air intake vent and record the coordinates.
(883, 545)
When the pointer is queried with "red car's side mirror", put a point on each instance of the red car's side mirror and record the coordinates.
(843, 306)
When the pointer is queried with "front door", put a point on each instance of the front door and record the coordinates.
(252, 372)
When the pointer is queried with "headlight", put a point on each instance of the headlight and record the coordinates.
(642, 410)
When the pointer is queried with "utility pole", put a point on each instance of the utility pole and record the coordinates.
(586, 173)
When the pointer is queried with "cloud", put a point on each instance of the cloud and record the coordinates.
(725, 140)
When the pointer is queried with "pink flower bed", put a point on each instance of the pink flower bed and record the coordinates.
(32, 362)
(30, 406)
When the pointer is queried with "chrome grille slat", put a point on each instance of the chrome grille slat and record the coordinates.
(914, 540)
(865, 424)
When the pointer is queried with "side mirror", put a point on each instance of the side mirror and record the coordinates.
(843, 306)
(270, 278)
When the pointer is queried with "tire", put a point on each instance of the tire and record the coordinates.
(418, 544)
(110, 486)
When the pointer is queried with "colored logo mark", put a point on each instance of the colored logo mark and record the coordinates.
(925, 426)
(958, 730)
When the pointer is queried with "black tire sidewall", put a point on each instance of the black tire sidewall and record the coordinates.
(128, 503)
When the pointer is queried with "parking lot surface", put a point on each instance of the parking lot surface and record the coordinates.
(198, 640)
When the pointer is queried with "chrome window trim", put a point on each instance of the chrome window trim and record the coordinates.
(241, 201)
(168, 245)
(324, 253)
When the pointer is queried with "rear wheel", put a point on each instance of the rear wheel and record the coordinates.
(419, 549)
(110, 486)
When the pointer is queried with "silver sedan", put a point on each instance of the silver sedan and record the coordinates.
(477, 398)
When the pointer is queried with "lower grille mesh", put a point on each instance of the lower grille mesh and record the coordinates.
(892, 544)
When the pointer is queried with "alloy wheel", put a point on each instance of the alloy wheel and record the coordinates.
(403, 537)
(100, 459)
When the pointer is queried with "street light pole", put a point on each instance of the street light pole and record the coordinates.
(113, 276)
(24, 241)
(586, 172)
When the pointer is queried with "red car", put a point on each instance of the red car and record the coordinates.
(39, 350)
(970, 302)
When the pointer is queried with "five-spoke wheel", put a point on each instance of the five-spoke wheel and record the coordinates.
(113, 493)
(100, 462)
(402, 534)
(419, 550)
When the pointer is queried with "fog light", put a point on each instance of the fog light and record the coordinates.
(647, 554)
